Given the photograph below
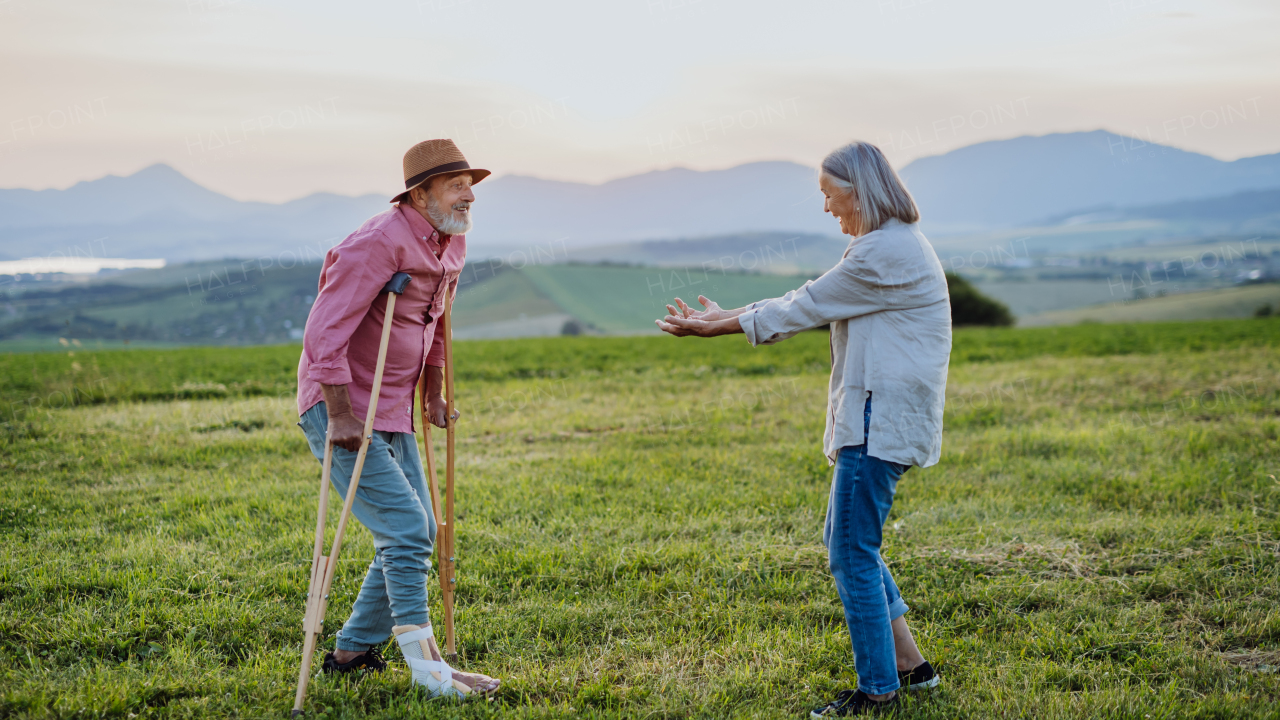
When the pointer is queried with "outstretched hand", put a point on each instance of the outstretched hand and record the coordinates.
(711, 313)
(684, 321)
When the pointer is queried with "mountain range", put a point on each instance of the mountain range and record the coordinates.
(158, 212)
(1029, 180)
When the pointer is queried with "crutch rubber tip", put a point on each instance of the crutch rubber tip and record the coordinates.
(295, 713)
(451, 657)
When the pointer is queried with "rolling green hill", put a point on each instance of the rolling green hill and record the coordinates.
(628, 299)
(500, 297)
(229, 303)
(1231, 302)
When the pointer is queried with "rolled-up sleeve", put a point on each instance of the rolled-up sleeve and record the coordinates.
(790, 294)
(435, 357)
(859, 285)
(748, 318)
(352, 280)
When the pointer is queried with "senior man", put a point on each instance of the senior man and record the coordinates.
(422, 235)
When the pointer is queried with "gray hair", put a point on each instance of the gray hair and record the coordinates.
(863, 169)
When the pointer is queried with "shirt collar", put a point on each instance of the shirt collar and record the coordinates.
(425, 231)
(418, 225)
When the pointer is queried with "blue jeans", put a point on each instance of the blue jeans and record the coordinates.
(861, 496)
(394, 504)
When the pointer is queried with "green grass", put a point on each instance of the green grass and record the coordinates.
(54, 344)
(640, 532)
(85, 376)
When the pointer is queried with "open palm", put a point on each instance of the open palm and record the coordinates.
(710, 314)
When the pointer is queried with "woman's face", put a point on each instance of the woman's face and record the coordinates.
(842, 203)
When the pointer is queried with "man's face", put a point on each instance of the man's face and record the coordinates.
(446, 202)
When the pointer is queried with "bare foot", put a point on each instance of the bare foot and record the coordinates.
(475, 682)
(465, 683)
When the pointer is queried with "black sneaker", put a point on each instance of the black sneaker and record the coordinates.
(369, 661)
(922, 677)
(849, 703)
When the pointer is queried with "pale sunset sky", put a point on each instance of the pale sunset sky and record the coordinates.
(275, 99)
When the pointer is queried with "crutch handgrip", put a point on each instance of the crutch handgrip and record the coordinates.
(397, 283)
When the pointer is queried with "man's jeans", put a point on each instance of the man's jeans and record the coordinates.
(861, 496)
(394, 504)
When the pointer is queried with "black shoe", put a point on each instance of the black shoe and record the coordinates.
(369, 661)
(851, 702)
(922, 677)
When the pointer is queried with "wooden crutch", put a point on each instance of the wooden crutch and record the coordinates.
(444, 524)
(322, 567)
(448, 577)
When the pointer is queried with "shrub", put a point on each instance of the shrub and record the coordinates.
(970, 307)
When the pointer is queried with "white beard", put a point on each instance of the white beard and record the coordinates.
(447, 224)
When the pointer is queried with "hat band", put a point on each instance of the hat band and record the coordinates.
(447, 167)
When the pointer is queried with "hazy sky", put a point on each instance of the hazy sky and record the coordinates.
(274, 99)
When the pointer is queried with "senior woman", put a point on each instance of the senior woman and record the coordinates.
(890, 317)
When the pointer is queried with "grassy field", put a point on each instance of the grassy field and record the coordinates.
(640, 531)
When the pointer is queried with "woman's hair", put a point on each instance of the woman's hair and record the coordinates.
(862, 168)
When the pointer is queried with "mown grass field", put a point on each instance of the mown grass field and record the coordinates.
(640, 531)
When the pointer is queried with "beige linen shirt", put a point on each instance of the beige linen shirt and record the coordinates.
(890, 317)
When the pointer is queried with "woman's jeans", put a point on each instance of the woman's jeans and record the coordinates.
(861, 496)
(394, 504)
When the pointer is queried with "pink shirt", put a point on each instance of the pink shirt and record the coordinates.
(340, 345)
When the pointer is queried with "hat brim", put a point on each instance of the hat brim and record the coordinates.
(477, 174)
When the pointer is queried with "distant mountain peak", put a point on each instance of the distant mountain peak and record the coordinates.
(157, 174)
(159, 170)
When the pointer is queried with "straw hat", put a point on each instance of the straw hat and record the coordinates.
(434, 157)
